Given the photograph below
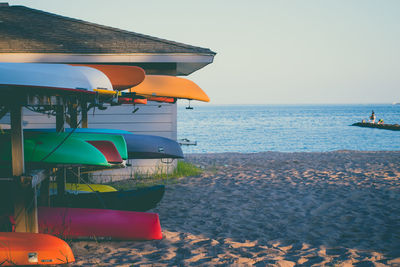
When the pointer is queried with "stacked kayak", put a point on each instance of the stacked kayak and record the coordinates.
(118, 141)
(75, 188)
(40, 149)
(67, 149)
(139, 146)
(141, 199)
(33, 249)
(78, 223)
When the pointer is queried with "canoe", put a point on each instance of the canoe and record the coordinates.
(141, 199)
(139, 146)
(169, 86)
(393, 127)
(33, 249)
(77, 223)
(59, 77)
(38, 150)
(74, 188)
(117, 140)
(121, 77)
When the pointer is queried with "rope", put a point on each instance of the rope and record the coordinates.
(62, 142)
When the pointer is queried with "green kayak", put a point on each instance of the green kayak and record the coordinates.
(40, 149)
(117, 140)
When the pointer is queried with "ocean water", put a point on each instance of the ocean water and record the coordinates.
(286, 128)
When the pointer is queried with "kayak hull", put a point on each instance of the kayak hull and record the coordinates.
(46, 148)
(74, 188)
(142, 146)
(118, 141)
(77, 223)
(141, 199)
(33, 249)
(139, 146)
(53, 76)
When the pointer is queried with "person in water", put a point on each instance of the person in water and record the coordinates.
(372, 117)
(380, 121)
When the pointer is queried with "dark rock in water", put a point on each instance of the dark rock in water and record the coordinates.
(393, 127)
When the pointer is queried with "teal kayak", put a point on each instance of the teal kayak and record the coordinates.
(117, 140)
(51, 148)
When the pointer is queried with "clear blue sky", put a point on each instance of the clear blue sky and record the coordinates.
(269, 52)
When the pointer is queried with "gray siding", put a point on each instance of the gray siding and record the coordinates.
(153, 119)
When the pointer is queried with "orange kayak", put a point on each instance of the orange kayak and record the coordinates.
(33, 249)
(170, 87)
(121, 77)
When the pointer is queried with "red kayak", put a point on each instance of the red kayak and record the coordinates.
(108, 149)
(76, 223)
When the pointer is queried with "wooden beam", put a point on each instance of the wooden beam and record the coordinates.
(84, 123)
(60, 121)
(60, 118)
(25, 209)
(73, 115)
(25, 206)
(60, 179)
(17, 143)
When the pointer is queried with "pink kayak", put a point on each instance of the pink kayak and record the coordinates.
(76, 223)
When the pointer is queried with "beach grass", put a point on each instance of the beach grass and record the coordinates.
(183, 169)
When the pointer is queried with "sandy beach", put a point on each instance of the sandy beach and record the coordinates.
(337, 208)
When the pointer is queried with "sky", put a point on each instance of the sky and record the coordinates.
(269, 51)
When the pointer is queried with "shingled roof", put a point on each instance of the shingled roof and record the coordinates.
(27, 30)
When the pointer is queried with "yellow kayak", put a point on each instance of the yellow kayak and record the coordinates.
(83, 188)
(169, 86)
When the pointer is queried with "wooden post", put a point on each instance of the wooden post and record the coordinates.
(84, 122)
(17, 144)
(73, 115)
(44, 198)
(25, 208)
(60, 179)
(60, 118)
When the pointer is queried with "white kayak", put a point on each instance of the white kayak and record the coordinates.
(53, 76)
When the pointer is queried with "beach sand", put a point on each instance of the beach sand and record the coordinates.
(337, 208)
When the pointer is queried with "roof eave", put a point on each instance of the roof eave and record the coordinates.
(186, 63)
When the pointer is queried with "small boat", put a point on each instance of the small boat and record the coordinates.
(52, 77)
(74, 188)
(169, 86)
(142, 146)
(121, 77)
(33, 249)
(141, 199)
(139, 146)
(77, 223)
(393, 127)
(118, 141)
(54, 150)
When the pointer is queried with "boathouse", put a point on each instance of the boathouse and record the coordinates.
(35, 36)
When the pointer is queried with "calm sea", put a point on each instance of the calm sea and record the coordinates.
(286, 128)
